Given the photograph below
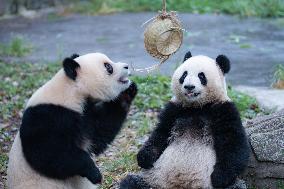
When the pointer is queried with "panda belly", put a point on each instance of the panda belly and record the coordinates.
(22, 176)
(186, 163)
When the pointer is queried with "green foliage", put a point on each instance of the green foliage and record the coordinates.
(262, 8)
(3, 162)
(154, 91)
(280, 185)
(247, 105)
(18, 82)
(278, 77)
(279, 73)
(17, 47)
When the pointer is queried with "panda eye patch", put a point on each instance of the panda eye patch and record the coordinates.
(181, 79)
(202, 78)
(108, 68)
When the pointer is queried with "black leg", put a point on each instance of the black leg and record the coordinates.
(133, 182)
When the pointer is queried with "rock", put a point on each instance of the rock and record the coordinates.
(240, 184)
(266, 165)
(267, 97)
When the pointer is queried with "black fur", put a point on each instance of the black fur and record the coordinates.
(224, 63)
(70, 67)
(133, 182)
(52, 136)
(158, 140)
(109, 68)
(230, 142)
(182, 78)
(187, 56)
(73, 56)
(112, 115)
(202, 78)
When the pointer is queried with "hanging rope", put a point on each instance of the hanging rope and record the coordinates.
(164, 6)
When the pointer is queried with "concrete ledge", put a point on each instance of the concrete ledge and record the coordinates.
(267, 98)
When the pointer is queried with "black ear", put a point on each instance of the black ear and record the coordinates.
(73, 56)
(224, 63)
(70, 67)
(187, 56)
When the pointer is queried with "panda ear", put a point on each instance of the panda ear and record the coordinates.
(187, 56)
(73, 56)
(224, 63)
(70, 68)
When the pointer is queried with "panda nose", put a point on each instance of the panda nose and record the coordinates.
(189, 87)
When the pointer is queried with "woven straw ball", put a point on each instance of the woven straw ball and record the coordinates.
(163, 36)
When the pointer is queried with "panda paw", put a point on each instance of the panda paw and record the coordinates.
(94, 176)
(221, 178)
(146, 158)
(126, 97)
(130, 92)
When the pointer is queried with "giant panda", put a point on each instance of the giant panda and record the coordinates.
(72, 117)
(199, 141)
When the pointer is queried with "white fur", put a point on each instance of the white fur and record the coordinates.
(214, 91)
(92, 80)
(186, 163)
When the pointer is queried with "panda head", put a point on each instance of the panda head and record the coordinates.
(96, 76)
(200, 80)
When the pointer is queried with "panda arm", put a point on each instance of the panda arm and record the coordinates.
(230, 144)
(158, 140)
(50, 135)
(105, 119)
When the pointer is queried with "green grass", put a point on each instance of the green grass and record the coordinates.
(278, 77)
(262, 8)
(3, 162)
(154, 91)
(17, 47)
(19, 81)
(280, 185)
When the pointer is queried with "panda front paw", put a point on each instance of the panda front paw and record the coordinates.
(146, 158)
(130, 92)
(222, 178)
(127, 96)
(94, 176)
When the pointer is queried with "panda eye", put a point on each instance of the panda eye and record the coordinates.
(108, 68)
(181, 79)
(202, 78)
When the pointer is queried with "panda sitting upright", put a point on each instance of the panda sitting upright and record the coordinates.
(199, 142)
(74, 115)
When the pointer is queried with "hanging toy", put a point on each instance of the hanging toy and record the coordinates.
(162, 37)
